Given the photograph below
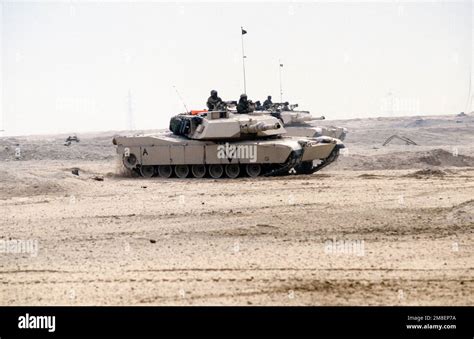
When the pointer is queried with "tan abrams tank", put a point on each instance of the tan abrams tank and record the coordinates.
(220, 143)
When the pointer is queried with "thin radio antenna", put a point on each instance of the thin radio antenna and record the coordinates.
(281, 87)
(243, 32)
(180, 98)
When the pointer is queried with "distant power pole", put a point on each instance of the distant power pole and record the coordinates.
(130, 125)
(470, 96)
(2, 111)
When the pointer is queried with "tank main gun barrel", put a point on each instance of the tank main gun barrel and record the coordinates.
(259, 127)
(298, 118)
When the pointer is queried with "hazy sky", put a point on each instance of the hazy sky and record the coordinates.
(68, 66)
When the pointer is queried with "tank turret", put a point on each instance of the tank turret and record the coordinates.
(223, 125)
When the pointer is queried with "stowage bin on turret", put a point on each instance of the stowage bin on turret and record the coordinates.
(220, 143)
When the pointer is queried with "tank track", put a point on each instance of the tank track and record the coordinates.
(330, 159)
(307, 167)
(293, 162)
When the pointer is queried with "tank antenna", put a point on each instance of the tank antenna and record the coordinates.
(243, 31)
(281, 87)
(180, 98)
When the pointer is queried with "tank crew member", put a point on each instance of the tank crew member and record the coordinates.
(214, 101)
(268, 103)
(286, 106)
(244, 105)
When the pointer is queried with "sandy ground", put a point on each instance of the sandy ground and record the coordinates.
(389, 225)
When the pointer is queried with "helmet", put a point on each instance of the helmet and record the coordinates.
(243, 96)
(213, 92)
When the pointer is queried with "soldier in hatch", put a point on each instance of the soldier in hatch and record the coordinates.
(214, 101)
(268, 103)
(244, 105)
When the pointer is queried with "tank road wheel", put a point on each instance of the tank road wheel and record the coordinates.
(147, 171)
(165, 171)
(216, 171)
(181, 171)
(253, 170)
(232, 170)
(199, 171)
(130, 161)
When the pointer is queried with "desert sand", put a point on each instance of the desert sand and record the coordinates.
(384, 225)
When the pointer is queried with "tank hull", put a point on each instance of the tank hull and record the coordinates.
(274, 156)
